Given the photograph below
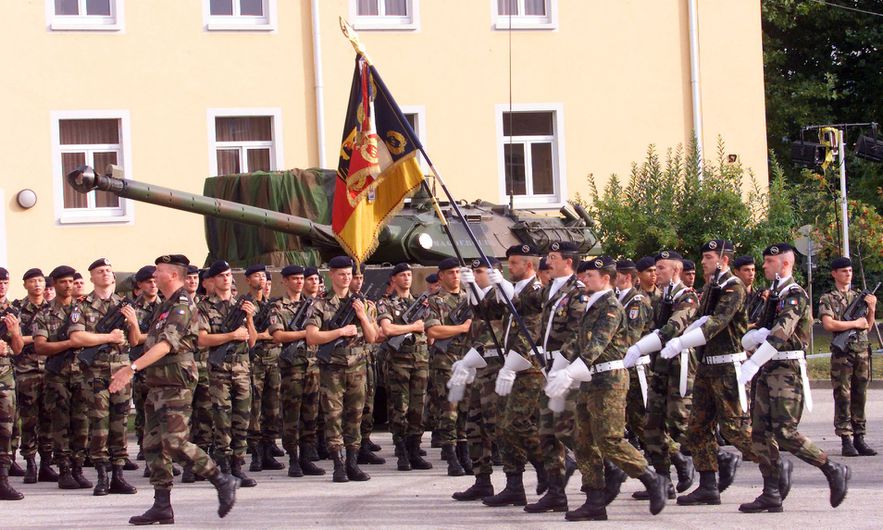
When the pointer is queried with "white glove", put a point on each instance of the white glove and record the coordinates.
(672, 348)
(495, 276)
(466, 275)
(697, 323)
(753, 338)
(631, 356)
(459, 375)
(577, 373)
(456, 393)
(764, 353)
(505, 380)
(690, 339)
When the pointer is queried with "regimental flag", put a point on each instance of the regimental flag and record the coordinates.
(378, 165)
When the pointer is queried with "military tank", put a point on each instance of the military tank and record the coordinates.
(278, 236)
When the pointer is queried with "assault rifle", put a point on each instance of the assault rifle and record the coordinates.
(262, 317)
(666, 308)
(114, 319)
(768, 317)
(857, 309)
(8, 311)
(344, 316)
(416, 311)
(55, 363)
(714, 294)
(135, 352)
(461, 313)
(297, 324)
(235, 319)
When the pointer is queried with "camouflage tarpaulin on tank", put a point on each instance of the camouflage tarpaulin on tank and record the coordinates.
(301, 192)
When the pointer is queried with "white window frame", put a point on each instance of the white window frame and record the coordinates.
(383, 22)
(548, 22)
(275, 115)
(420, 112)
(559, 166)
(125, 212)
(235, 22)
(86, 22)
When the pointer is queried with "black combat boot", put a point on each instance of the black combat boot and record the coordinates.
(294, 470)
(686, 471)
(130, 466)
(413, 454)
(146, 473)
(435, 440)
(554, 500)
(848, 449)
(838, 476)
(403, 455)
(657, 486)
(275, 450)
(176, 471)
(309, 452)
(353, 472)
(769, 500)
(513, 494)
(480, 489)
(307, 465)
(269, 459)
(727, 464)
(613, 480)
(66, 480)
(463, 457)
(236, 470)
(118, 484)
(322, 446)
(785, 469)
(31, 472)
(373, 447)
(7, 492)
(16, 470)
(77, 473)
(858, 442)
(257, 458)
(226, 486)
(102, 485)
(706, 493)
(454, 468)
(188, 476)
(367, 457)
(223, 463)
(339, 474)
(593, 509)
(542, 476)
(161, 511)
(46, 473)
(140, 455)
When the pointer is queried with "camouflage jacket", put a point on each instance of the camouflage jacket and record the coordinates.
(441, 305)
(655, 294)
(560, 315)
(393, 308)
(685, 305)
(753, 302)
(638, 314)
(93, 310)
(728, 322)
(6, 360)
(511, 336)
(28, 361)
(354, 351)
(834, 304)
(50, 322)
(281, 317)
(264, 347)
(480, 334)
(212, 312)
(603, 332)
(793, 318)
(175, 322)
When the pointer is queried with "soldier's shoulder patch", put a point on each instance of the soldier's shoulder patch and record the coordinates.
(638, 297)
(633, 313)
(792, 301)
(537, 286)
(183, 298)
(75, 315)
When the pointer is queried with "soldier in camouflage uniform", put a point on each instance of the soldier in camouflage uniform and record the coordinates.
(602, 340)
(688, 274)
(342, 374)
(450, 340)
(170, 374)
(30, 384)
(66, 393)
(299, 373)
(783, 388)
(407, 368)
(201, 421)
(367, 449)
(744, 269)
(145, 304)
(265, 378)
(648, 281)
(850, 369)
(312, 433)
(229, 375)
(11, 343)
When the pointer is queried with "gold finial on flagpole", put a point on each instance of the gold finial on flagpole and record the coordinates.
(353, 37)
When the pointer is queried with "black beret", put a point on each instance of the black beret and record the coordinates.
(568, 247)
(597, 263)
(192, 269)
(255, 268)
(310, 271)
(62, 271)
(78, 276)
(50, 281)
(448, 263)
(340, 262)
(645, 263)
(625, 265)
(173, 259)
(4, 274)
(401, 267)
(100, 262)
(32, 273)
(778, 248)
(432, 278)
(544, 265)
(668, 254)
(840, 263)
(478, 263)
(217, 268)
(741, 261)
(292, 270)
(718, 245)
(521, 250)
(145, 273)
(688, 265)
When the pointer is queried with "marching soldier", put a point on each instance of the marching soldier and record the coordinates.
(229, 371)
(342, 373)
(744, 269)
(647, 279)
(850, 366)
(145, 305)
(688, 275)
(782, 389)
(367, 449)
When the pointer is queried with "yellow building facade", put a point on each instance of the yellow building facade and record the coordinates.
(179, 90)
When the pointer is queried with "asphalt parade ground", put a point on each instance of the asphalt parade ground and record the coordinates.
(422, 499)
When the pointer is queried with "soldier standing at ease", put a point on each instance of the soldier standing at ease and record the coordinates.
(11, 343)
(313, 433)
(342, 374)
(367, 449)
(782, 389)
(230, 374)
(850, 368)
(201, 422)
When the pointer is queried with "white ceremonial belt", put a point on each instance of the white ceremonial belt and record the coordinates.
(800, 357)
(792, 355)
(490, 353)
(725, 359)
(642, 360)
(606, 367)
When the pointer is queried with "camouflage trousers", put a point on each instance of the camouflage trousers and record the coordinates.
(201, 421)
(635, 411)
(36, 422)
(716, 403)
(850, 372)
(230, 390)
(343, 398)
(266, 384)
(300, 406)
(778, 406)
(484, 407)
(367, 426)
(67, 396)
(7, 414)
(450, 424)
(430, 414)
(406, 380)
(668, 414)
(556, 431)
(139, 396)
(600, 424)
(108, 413)
(517, 436)
(167, 416)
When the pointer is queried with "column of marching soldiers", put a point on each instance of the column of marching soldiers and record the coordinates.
(627, 372)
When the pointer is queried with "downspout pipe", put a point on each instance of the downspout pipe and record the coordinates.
(695, 88)
(318, 84)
